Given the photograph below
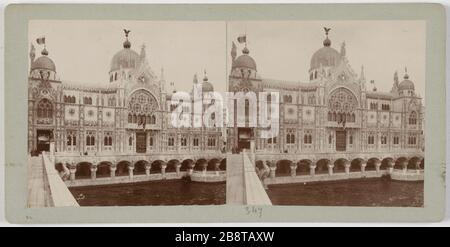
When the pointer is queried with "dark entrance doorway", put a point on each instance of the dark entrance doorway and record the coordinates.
(341, 140)
(245, 135)
(141, 142)
(43, 140)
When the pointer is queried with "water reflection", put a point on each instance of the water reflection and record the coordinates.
(169, 192)
(358, 192)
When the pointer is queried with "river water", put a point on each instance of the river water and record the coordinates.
(359, 192)
(168, 192)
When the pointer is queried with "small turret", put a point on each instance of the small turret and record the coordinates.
(32, 53)
(162, 80)
(143, 54)
(343, 51)
(195, 80)
(233, 51)
(395, 84)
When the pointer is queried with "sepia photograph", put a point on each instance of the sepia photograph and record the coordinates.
(162, 113)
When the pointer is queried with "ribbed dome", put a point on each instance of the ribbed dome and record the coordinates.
(206, 85)
(126, 58)
(326, 56)
(406, 85)
(244, 61)
(43, 62)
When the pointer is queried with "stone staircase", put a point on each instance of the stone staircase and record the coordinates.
(36, 185)
(235, 180)
(243, 184)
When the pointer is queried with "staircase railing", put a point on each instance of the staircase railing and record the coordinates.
(255, 194)
(57, 194)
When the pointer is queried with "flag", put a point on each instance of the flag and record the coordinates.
(40, 40)
(242, 39)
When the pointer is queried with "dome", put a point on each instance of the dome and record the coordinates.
(406, 85)
(206, 85)
(126, 58)
(244, 61)
(43, 62)
(325, 56)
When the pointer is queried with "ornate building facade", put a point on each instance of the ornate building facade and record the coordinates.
(332, 118)
(334, 111)
(130, 115)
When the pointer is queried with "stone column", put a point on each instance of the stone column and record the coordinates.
(73, 170)
(330, 168)
(216, 167)
(163, 169)
(130, 171)
(418, 167)
(293, 169)
(177, 168)
(405, 167)
(347, 167)
(377, 166)
(147, 169)
(112, 171)
(93, 172)
(363, 167)
(191, 166)
(390, 166)
(204, 167)
(312, 169)
(272, 169)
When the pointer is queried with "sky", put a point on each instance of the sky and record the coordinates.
(82, 50)
(283, 49)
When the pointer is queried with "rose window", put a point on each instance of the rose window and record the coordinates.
(142, 106)
(342, 104)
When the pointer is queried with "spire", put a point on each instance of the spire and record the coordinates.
(32, 52)
(362, 75)
(233, 51)
(126, 43)
(406, 74)
(195, 80)
(205, 76)
(162, 74)
(327, 42)
(343, 52)
(395, 85)
(142, 55)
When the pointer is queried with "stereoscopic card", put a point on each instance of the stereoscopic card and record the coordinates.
(224, 113)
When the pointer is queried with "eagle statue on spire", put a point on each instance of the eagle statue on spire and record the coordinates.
(126, 32)
(327, 29)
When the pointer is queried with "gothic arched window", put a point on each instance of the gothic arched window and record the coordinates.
(45, 109)
(150, 141)
(413, 118)
(343, 103)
